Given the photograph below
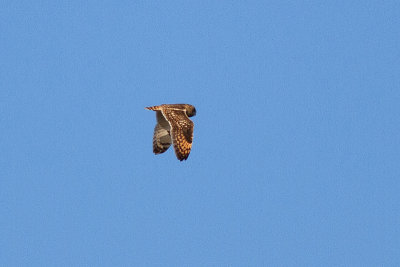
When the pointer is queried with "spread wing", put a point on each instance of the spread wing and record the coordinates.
(181, 131)
(161, 138)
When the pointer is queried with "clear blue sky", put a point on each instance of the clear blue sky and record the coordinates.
(295, 160)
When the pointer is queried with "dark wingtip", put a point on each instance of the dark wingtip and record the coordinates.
(183, 158)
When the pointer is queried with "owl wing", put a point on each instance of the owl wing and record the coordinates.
(161, 138)
(181, 131)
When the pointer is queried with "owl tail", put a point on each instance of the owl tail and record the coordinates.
(153, 108)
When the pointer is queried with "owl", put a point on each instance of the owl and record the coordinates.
(173, 127)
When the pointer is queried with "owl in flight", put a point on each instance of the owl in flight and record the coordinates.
(173, 126)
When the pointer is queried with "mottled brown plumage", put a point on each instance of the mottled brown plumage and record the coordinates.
(173, 126)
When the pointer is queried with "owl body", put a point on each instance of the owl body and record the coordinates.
(173, 127)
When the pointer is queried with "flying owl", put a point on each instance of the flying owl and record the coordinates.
(173, 126)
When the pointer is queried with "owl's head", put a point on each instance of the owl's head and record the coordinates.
(190, 110)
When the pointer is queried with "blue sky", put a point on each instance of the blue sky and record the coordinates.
(295, 160)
